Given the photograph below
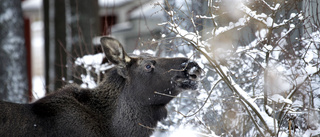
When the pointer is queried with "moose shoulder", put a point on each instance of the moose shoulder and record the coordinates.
(124, 104)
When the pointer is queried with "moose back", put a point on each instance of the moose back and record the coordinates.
(129, 102)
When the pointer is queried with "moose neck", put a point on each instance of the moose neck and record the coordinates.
(105, 95)
(129, 116)
(132, 118)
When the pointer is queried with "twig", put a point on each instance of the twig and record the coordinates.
(205, 102)
(251, 117)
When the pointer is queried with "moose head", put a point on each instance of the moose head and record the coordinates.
(150, 83)
(152, 80)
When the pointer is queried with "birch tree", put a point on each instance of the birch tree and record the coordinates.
(13, 74)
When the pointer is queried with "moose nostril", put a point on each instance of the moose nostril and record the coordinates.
(193, 76)
(193, 70)
(194, 73)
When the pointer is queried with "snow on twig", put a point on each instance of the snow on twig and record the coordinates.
(206, 17)
(253, 14)
(189, 36)
(275, 8)
(264, 117)
(241, 23)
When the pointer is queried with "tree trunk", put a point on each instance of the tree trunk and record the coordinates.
(70, 27)
(83, 18)
(13, 73)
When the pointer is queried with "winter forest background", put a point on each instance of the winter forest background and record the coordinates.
(261, 57)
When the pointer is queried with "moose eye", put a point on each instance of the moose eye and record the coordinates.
(148, 68)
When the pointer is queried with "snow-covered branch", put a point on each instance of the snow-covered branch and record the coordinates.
(275, 8)
(222, 71)
(253, 14)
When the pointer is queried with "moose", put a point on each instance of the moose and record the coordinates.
(129, 101)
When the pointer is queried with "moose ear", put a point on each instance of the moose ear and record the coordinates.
(114, 51)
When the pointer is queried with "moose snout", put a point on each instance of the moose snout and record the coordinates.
(194, 71)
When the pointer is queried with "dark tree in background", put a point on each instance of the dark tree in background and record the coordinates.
(70, 26)
(13, 73)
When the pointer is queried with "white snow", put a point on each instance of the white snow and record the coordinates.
(112, 3)
(268, 47)
(170, 13)
(311, 69)
(183, 133)
(292, 15)
(280, 99)
(269, 22)
(88, 81)
(270, 7)
(262, 33)
(292, 26)
(277, 6)
(38, 87)
(308, 56)
(89, 61)
(283, 134)
(140, 52)
(297, 104)
(253, 14)
(316, 101)
(188, 132)
(205, 17)
(240, 23)
(312, 133)
(31, 5)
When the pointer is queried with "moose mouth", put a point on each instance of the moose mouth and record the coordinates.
(185, 83)
(192, 74)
